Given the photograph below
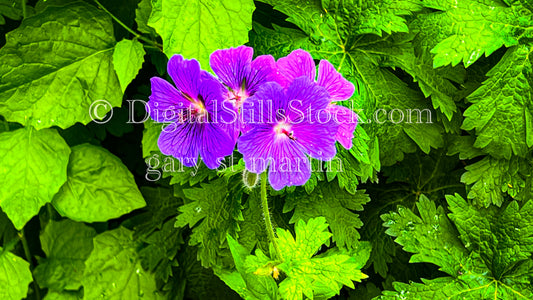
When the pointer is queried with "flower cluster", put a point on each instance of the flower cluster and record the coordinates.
(277, 112)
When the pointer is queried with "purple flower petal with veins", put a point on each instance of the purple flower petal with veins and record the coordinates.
(300, 63)
(242, 76)
(285, 127)
(194, 109)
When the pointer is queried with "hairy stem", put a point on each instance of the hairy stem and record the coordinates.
(137, 35)
(266, 213)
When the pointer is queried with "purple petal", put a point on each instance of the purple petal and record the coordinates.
(232, 65)
(289, 165)
(256, 146)
(263, 69)
(337, 86)
(305, 99)
(317, 137)
(185, 73)
(212, 92)
(347, 120)
(263, 106)
(181, 140)
(298, 63)
(165, 101)
(216, 144)
(221, 111)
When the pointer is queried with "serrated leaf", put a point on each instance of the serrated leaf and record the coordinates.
(322, 275)
(336, 205)
(365, 60)
(491, 179)
(469, 29)
(99, 187)
(67, 245)
(113, 271)
(195, 29)
(214, 212)
(244, 282)
(433, 175)
(501, 108)
(32, 169)
(128, 58)
(484, 259)
(374, 16)
(45, 88)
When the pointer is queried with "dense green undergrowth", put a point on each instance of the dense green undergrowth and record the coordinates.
(433, 201)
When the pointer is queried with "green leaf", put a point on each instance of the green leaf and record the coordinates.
(128, 58)
(64, 295)
(15, 276)
(356, 165)
(198, 282)
(44, 87)
(322, 275)
(195, 29)
(501, 108)
(99, 187)
(471, 28)
(433, 175)
(213, 212)
(464, 146)
(155, 228)
(235, 281)
(336, 205)
(7, 230)
(151, 133)
(367, 61)
(244, 282)
(33, 167)
(67, 245)
(253, 233)
(503, 237)
(487, 256)
(374, 16)
(113, 271)
(431, 236)
(494, 180)
(11, 9)
(142, 14)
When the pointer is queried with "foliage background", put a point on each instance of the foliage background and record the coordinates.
(426, 210)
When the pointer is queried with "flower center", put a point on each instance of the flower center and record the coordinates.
(283, 129)
(198, 109)
(237, 97)
(195, 113)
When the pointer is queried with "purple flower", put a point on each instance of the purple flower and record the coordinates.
(242, 76)
(285, 126)
(300, 63)
(195, 110)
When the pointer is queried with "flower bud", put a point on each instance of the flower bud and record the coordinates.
(250, 179)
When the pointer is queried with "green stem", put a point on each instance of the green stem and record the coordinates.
(24, 14)
(27, 253)
(137, 35)
(266, 213)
